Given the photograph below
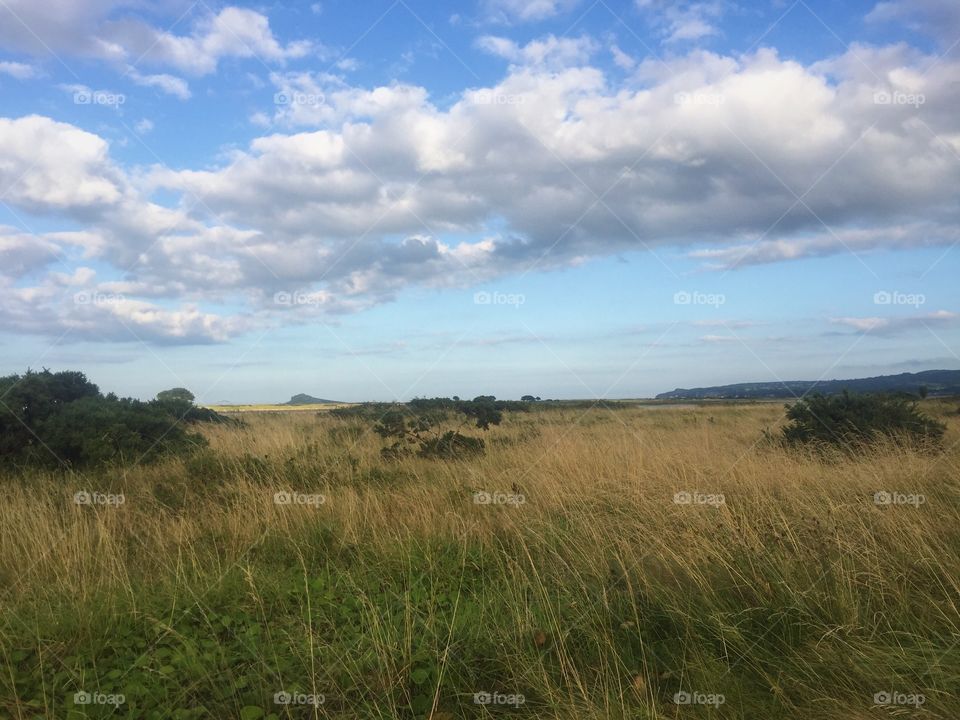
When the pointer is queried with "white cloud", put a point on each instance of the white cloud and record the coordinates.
(20, 71)
(51, 166)
(828, 242)
(621, 59)
(379, 189)
(549, 51)
(939, 18)
(143, 126)
(683, 20)
(510, 11)
(90, 28)
(898, 325)
(166, 83)
(232, 33)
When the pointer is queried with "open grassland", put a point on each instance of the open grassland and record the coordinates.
(310, 407)
(583, 589)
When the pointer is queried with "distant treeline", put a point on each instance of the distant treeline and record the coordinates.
(921, 384)
(420, 406)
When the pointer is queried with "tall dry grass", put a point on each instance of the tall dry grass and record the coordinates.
(599, 595)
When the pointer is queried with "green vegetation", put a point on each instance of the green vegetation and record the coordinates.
(61, 420)
(933, 382)
(851, 421)
(567, 572)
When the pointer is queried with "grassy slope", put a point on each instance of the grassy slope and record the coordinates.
(598, 597)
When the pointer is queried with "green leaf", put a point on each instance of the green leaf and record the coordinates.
(251, 712)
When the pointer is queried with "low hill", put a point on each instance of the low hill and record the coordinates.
(304, 399)
(937, 382)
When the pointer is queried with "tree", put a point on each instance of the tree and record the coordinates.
(419, 424)
(177, 393)
(61, 419)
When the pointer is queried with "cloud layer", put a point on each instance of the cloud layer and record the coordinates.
(358, 193)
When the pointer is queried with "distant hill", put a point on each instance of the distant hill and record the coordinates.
(304, 399)
(937, 382)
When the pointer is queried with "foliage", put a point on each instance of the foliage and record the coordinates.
(178, 393)
(58, 420)
(418, 424)
(851, 420)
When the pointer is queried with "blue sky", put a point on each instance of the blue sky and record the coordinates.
(558, 197)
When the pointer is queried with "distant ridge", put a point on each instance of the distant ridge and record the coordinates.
(304, 399)
(937, 382)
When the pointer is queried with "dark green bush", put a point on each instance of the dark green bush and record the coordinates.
(450, 446)
(850, 420)
(61, 420)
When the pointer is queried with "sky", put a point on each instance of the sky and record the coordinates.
(562, 198)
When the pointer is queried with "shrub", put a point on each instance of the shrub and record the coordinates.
(850, 420)
(418, 424)
(61, 419)
(451, 446)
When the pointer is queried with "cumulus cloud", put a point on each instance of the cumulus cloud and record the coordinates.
(361, 193)
(102, 29)
(53, 166)
(232, 33)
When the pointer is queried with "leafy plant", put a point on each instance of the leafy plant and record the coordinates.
(850, 419)
(62, 420)
(417, 427)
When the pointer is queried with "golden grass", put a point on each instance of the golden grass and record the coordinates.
(310, 407)
(798, 596)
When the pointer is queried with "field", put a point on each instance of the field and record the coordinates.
(310, 407)
(593, 563)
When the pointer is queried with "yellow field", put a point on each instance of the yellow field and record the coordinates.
(312, 407)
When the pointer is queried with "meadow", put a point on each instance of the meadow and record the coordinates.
(592, 563)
